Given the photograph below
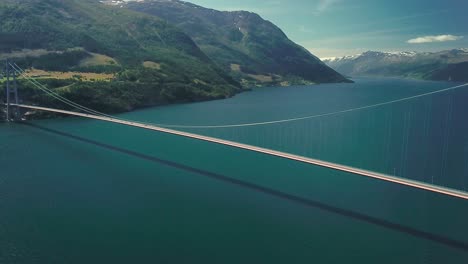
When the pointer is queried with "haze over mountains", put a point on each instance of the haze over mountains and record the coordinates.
(439, 66)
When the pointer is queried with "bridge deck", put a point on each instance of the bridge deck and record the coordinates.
(316, 162)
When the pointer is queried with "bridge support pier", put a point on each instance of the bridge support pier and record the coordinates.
(12, 113)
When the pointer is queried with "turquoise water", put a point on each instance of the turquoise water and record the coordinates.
(66, 200)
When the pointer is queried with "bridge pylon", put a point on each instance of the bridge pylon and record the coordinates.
(12, 112)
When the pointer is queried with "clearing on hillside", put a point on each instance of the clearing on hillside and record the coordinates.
(87, 76)
(97, 60)
(152, 65)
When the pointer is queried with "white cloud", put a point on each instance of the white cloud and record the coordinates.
(430, 39)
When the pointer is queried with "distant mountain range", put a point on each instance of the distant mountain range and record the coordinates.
(449, 65)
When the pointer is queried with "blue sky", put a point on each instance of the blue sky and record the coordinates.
(331, 28)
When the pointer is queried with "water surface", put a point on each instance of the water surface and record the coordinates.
(66, 200)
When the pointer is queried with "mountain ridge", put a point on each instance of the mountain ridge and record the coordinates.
(442, 65)
(241, 42)
(64, 33)
(115, 59)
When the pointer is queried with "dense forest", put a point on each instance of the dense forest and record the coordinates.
(114, 59)
(58, 36)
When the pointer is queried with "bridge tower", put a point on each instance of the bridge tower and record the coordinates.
(12, 113)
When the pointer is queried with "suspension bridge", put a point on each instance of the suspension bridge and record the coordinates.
(13, 113)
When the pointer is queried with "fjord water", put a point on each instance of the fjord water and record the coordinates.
(66, 200)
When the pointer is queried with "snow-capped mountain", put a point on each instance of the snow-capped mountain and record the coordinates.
(443, 65)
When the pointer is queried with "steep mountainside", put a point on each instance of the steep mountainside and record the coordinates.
(252, 49)
(137, 60)
(444, 65)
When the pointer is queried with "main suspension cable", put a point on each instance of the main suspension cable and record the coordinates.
(94, 112)
(317, 115)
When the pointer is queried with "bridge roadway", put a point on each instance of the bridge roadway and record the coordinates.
(316, 162)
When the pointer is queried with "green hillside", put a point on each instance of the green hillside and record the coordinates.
(252, 49)
(457, 72)
(88, 36)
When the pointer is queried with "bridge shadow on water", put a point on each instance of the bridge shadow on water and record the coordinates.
(461, 245)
